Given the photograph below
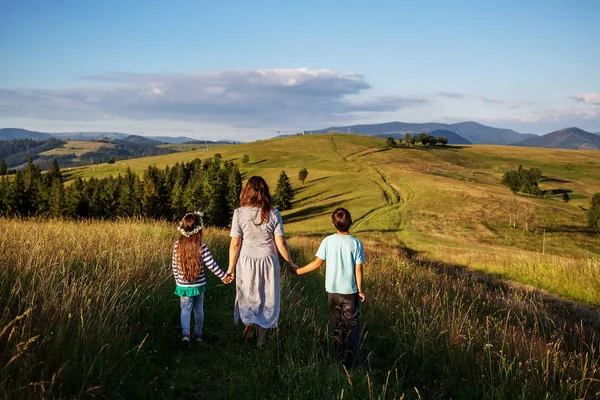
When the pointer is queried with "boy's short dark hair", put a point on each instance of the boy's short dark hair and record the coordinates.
(341, 219)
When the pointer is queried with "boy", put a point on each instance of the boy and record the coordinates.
(344, 257)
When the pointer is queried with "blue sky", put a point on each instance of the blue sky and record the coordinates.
(246, 70)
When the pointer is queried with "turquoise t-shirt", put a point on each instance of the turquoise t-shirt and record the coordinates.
(341, 253)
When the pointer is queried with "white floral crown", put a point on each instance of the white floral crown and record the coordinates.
(185, 233)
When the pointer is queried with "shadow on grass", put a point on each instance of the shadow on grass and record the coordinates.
(565, 229)
(555, 180)
(311, 212)
(563, 312)
(318, 179)
(326, 198)
(554, 192)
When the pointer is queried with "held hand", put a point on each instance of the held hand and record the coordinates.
(227, 279)
(362, 297)
(293, 268)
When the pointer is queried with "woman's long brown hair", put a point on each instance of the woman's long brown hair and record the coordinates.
(189, 249)
(256, 194)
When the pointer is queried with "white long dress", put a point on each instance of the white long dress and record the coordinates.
(257, 272)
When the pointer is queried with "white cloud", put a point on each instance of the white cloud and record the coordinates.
(491, 100)
(588, 98)
(264, 97)
(452, 95)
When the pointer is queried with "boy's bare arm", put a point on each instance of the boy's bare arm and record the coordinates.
(310, 267)
(359, 279)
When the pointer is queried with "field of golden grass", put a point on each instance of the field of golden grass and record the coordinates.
(89, 312)
(77, 147)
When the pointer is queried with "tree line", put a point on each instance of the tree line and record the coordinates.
(212, 186)
(525, 180)
(16, 152)
(421, 138)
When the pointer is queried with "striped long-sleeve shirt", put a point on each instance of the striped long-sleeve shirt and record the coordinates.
(206, 259)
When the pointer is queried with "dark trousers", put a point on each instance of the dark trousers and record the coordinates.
(344, 311)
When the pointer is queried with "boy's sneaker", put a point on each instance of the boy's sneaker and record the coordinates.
(185, 340)
(197, 337)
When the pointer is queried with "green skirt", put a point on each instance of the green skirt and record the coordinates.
(189, 291)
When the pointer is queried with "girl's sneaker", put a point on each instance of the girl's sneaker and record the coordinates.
(185, 340)
(197, 337)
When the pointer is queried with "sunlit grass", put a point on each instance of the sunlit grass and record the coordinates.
(77, 147)
(89, 311)
(439, 202)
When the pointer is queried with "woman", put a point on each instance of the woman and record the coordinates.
(256, 235)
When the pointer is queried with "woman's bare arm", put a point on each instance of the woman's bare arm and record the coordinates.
(234, 251)
(283, 249)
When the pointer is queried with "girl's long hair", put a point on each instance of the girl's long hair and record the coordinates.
(189, 249)
(256, 194)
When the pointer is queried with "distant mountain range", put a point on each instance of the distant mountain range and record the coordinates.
(568, 138)
(15, 133)
(470, 131)
(459, 133)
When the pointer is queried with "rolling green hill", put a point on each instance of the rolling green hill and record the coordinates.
(444, 204)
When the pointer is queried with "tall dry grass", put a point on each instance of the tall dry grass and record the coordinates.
(88, 311)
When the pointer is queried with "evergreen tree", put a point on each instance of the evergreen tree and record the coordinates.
(97, 201)
(302, 175)
(3, 197)
(78, 204)
(3, 168)
(57, 199)
(130, 202)
(215, 164)
(16, 199)
(154, 195)
(177, 199)
(391, 142)
(193, 194)
(54, 171)
(407, 138)
(216, 191)
(234, 186)
(245, 159)
(593, 215)
(284, 193)
(36, 189)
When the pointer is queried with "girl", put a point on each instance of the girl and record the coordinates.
(188, 253)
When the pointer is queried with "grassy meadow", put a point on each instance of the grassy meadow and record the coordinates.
(77, 147)
(89, 312)
(442, 204)
(88, 309)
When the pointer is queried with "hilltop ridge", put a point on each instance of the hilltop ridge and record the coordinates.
(568, 138)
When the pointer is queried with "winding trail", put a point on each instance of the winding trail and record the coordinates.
(393, 194)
